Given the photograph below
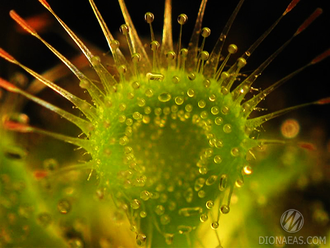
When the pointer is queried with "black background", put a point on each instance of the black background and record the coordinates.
(254, 17)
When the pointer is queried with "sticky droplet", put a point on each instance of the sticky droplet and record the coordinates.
(164, 97)
(247, 170)
(224, 209)
(203, 218)
(223, 183)
(214, 225)
(209, 204)
(227, 128)
(135, 204)
(211, 180)
(217, 159)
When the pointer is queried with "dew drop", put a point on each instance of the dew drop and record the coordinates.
(145, 195)
(209, 204)
(179, 100)
(203, 218)
(239, 183)
(164, 97)
(234, 152)
(217, 159)
(182, 19)
(218, 121)
(64, 206)
(214, 110)
(135, 85)
(224, 209)
(215, 225)
(175, 79)
(135, 204)
(190, 92)
(143, 214)
(149, 93)
(201, 104)
(223, 182)
(224, 110)
(203, 115)
(247, 170)
(227, 128)
(211, 180)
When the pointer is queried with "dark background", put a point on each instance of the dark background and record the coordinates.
(254, 17)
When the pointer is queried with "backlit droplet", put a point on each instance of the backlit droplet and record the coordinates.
(239, 183)
(203, 218)
(227, 128)
(179, 100)
(190, 92)
(247, 170)
(64, 206)
(217, 159)
(135, 204)
(224, 209)
(223, 183)
(234, 152)
(145, 195)
(215, 225)
(164, 97)
(211, 180)
(209, 204)
(218, 121)
(143, 214)
(201, 104)
(215, 110)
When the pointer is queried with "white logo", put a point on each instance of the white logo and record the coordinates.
(292, 221)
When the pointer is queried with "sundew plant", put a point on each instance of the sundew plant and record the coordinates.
(164, 121)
